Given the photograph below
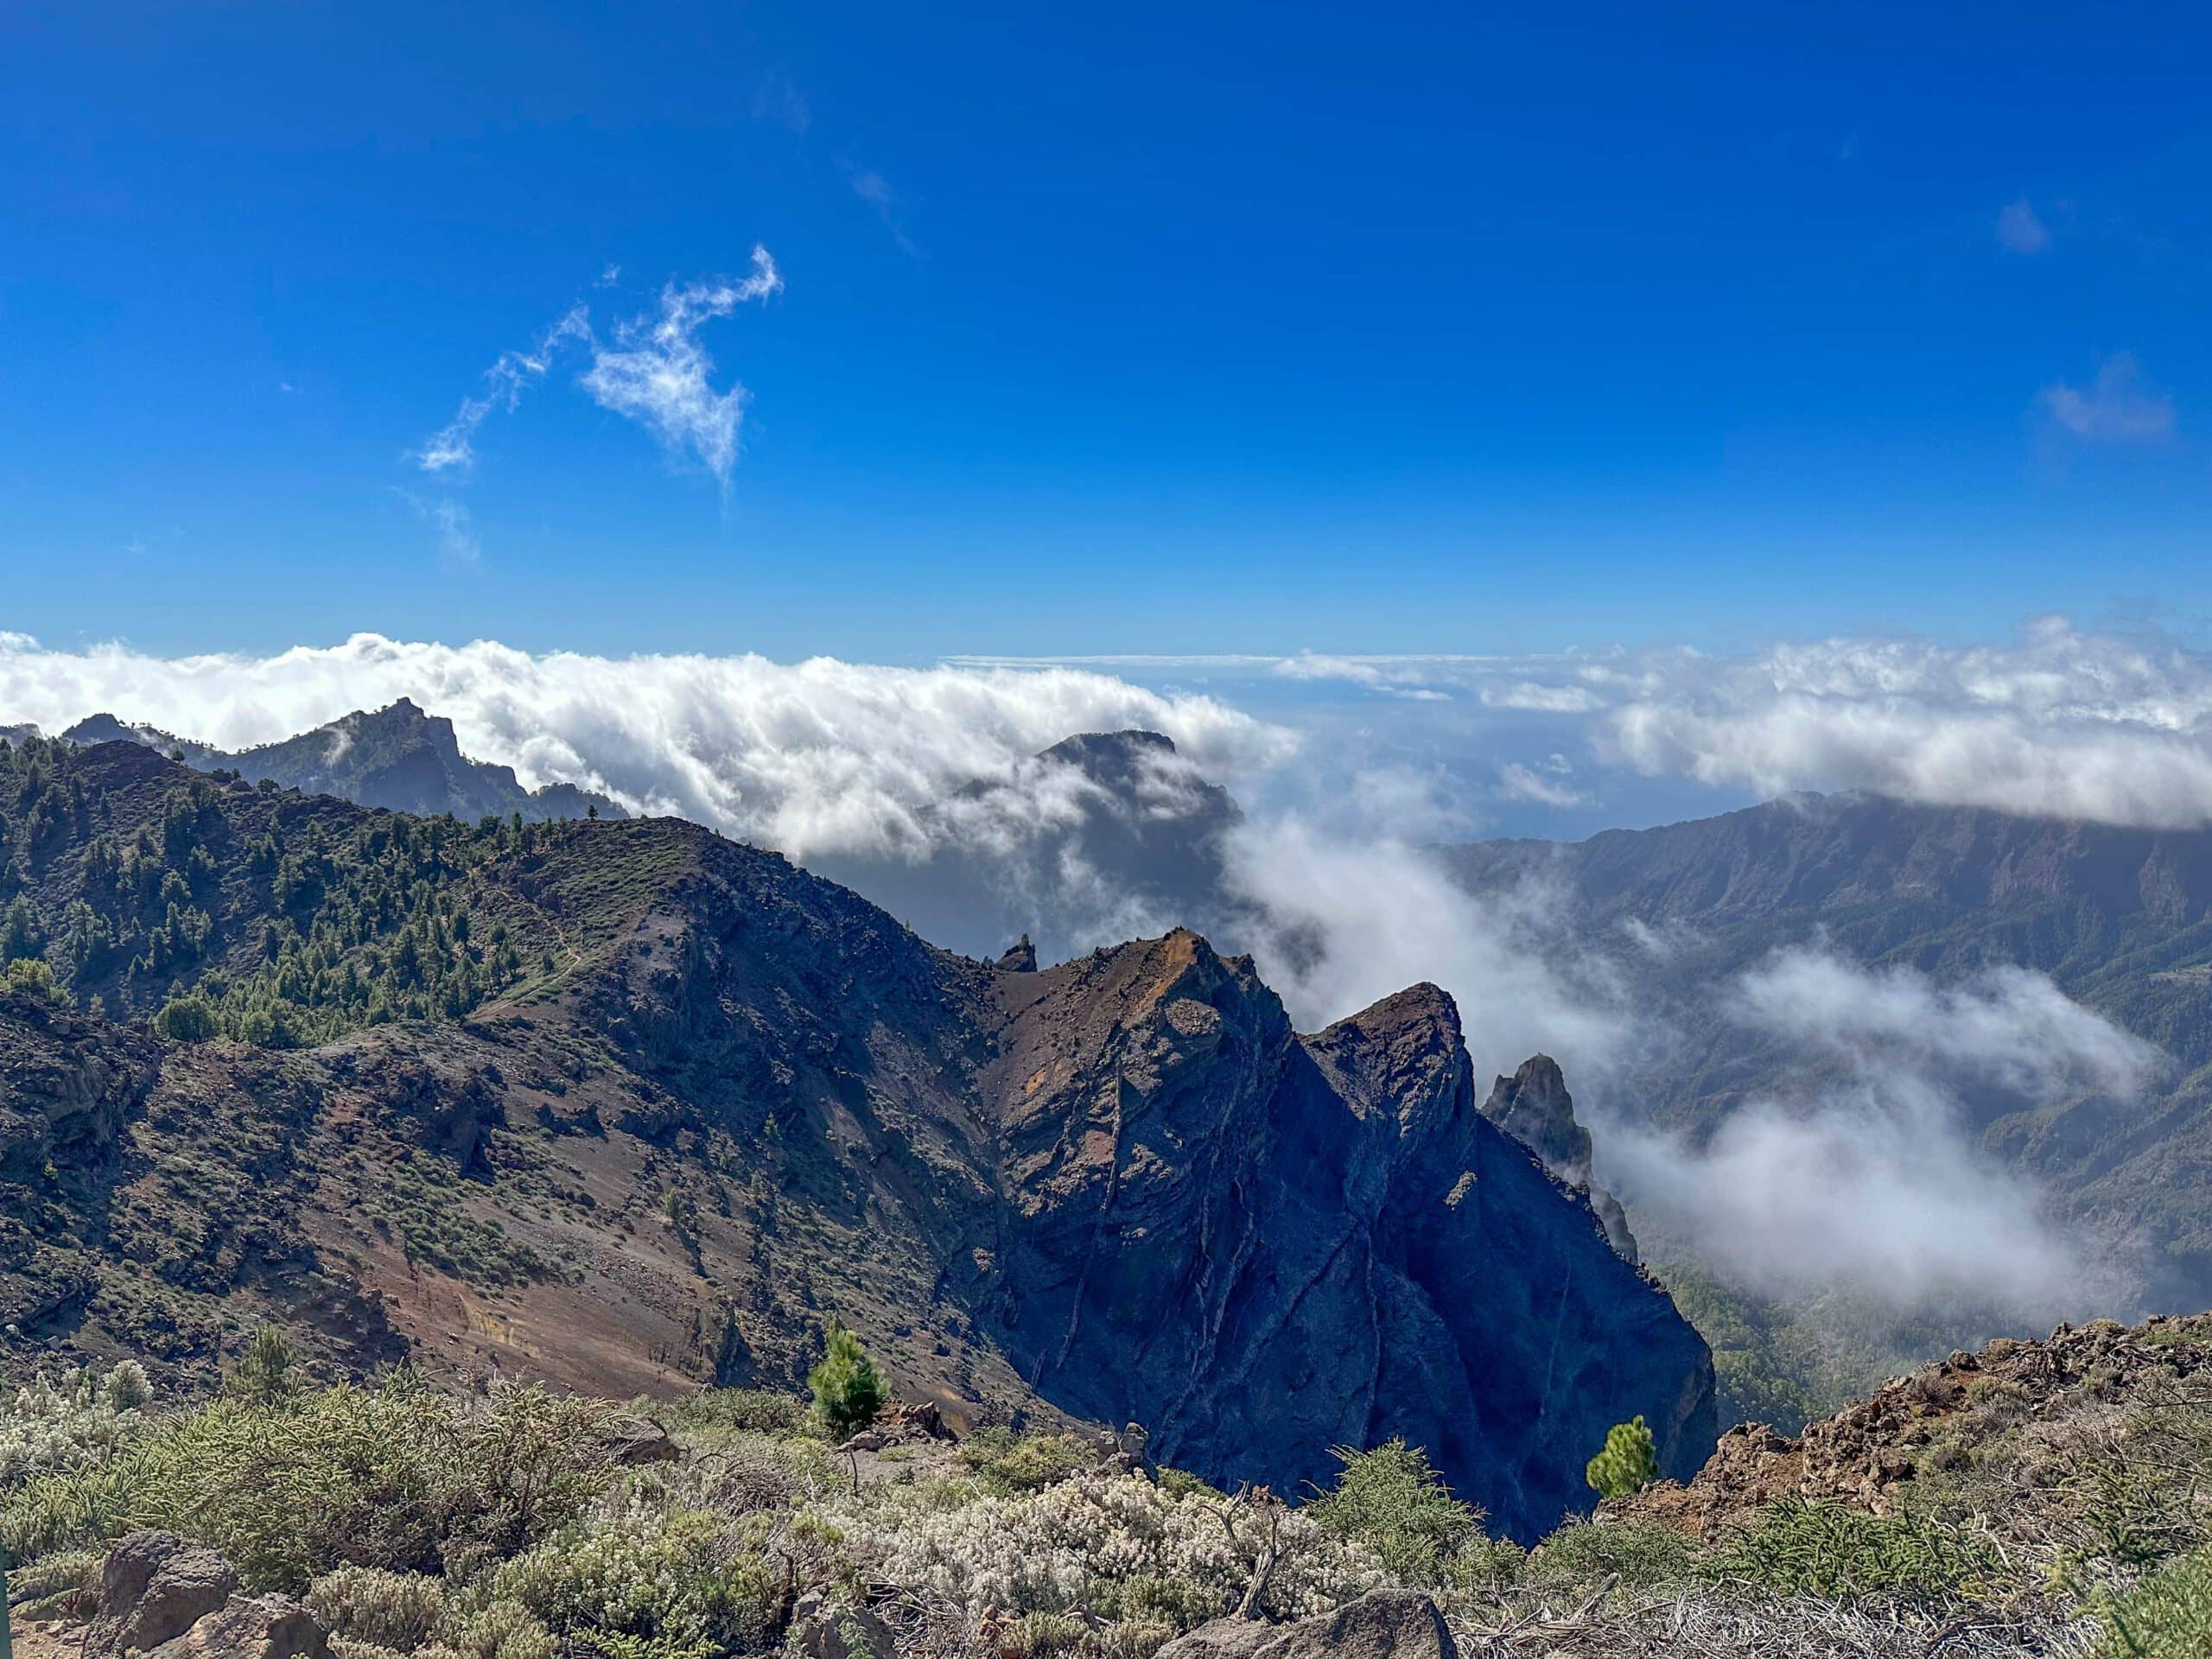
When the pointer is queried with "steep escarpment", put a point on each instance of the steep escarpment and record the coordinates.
(1270, 1245)
(697, 1103)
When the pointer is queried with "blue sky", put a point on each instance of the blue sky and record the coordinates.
(1233, 329)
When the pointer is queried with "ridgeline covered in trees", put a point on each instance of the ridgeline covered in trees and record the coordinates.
(215, 907)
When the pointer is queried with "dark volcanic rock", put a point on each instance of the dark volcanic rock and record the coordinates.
(1534, 1107)
(398, 758)
(155, 1586)
(1266, 1245)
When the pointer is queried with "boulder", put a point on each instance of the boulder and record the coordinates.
(252, 1627)
(153, 1587)
(1381, 1625)
(635, 1440)
(822, 1629)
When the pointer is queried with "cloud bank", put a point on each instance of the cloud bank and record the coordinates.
(812, 757)
(2059, 723)
(1863, 1173)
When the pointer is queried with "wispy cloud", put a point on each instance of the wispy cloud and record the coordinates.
(890, 206)
(2117, 407)
(2021, 229)
(1861, 1169)
(452, 448)
(456, 535)
(658, 374)
(777, 99)
(655, 371)
(1547, 785)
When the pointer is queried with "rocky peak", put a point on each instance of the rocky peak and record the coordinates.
(1019, 957)
(1534, 1107)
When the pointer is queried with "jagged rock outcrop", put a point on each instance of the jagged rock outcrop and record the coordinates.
(1534, 1107)
(1019, 957)
(1265, 1245)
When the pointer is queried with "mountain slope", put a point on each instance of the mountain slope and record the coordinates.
(676, 1104)
(398, 758)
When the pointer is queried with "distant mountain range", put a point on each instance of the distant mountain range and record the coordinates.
(629, 1106)
(398, 758)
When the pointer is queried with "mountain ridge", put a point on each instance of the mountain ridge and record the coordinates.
(397, 757)
(715, 1100)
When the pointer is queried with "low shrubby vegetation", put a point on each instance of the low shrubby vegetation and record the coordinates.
(518, 1523)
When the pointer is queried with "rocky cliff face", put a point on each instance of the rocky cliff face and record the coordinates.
(1534, 1107)
(736, 1100)
(1269, 1244)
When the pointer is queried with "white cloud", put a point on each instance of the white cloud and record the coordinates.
(659, 375)
(2006, 1025)
(2117, 407)
(2063, 724)
(2021, 229)
(808, 757)
(1340, 921)
(1860, 1170)
(452, 448)
(656, 372)
(1524, 783)
(2059, 722)
(1532, 698)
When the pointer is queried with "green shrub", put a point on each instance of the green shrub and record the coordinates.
(644, 1586)
(1627, 1463)
(1794, 1549)
(1643, 1555)
(190, 1018)
(1006, 1463)
(264, 1373)
(2167, 1615)
(847, 1389)
(505, 1630)
(401, 1610)
(399, 1477)
(31, 976)
(1392, 1499)
(752, 1411)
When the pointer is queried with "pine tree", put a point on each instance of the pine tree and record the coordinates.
(848, 1390)
(1629, 1462)
(265, 1373)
